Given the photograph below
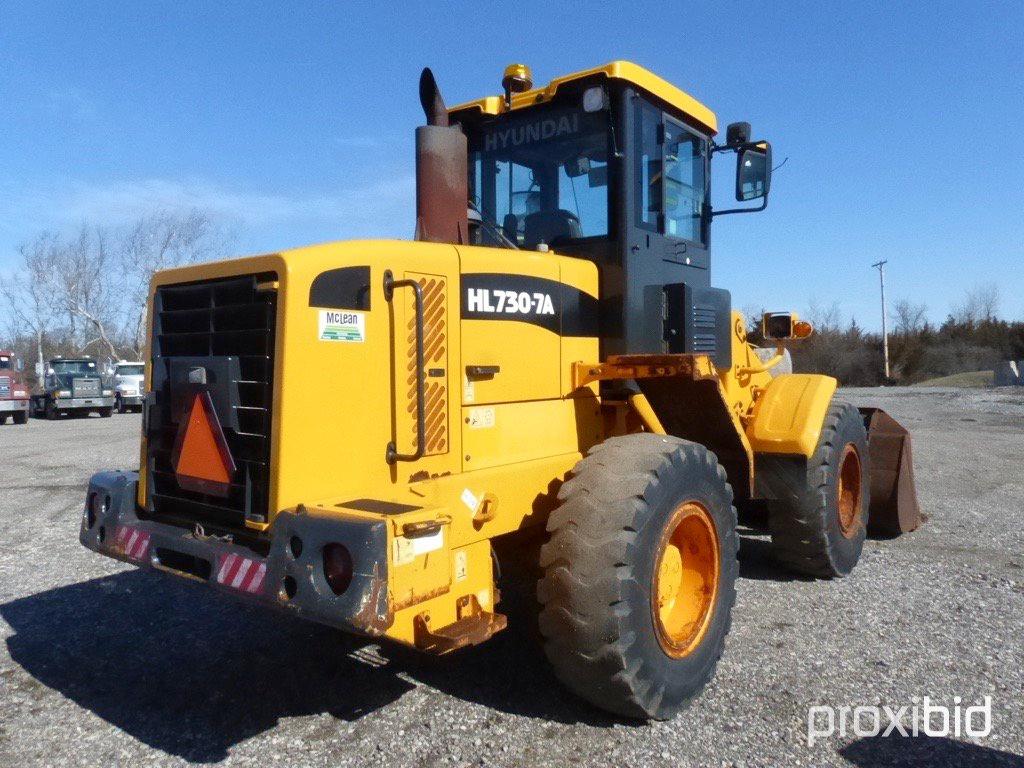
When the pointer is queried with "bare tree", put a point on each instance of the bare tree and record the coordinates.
(910, 317)
(89, 283)
(987, 298)
(70, 295)
(161, 241)
(825, 319)
(30, 293)
(980, 305)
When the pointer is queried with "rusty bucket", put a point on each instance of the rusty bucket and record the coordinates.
(894, 508)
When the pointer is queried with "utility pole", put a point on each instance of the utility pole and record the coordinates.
(880, 266)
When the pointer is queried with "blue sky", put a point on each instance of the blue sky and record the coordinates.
(293, 122)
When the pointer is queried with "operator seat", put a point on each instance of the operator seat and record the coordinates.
(550, 227)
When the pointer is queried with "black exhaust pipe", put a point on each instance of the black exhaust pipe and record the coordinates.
(431, 101)
(442, 181)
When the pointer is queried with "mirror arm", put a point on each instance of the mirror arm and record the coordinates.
(761, 207)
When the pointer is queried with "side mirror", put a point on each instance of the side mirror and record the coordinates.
(753, 172)
(784, 325)
(19, 364)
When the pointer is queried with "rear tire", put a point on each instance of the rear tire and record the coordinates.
(640, 573)
(819, 514)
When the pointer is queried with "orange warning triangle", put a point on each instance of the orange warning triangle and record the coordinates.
(201, 455)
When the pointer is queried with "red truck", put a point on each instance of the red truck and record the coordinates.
(13, 390)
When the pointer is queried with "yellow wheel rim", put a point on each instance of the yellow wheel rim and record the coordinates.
(686, 576)
(848, 496)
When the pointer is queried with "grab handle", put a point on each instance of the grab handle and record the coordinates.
(392, 455)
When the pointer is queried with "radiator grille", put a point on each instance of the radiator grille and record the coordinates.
(5, 386)
(225, 325)
(85, 388)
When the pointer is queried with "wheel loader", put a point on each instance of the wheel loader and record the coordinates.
(349, 432)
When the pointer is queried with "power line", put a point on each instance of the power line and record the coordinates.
(880, 266)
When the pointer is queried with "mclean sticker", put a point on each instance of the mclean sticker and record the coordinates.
(497, 301)
(339, 325)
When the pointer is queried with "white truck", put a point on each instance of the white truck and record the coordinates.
(129, 386)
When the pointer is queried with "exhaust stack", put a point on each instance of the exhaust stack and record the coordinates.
(442, 185)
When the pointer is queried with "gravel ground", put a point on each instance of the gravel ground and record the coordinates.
(102, 664)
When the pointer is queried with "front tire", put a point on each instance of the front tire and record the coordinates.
(106, 413)
(21, 417)
(120, 407)
(51, 412)
(640, 574)
(818, 518)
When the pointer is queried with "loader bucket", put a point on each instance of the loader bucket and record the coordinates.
(894, 509)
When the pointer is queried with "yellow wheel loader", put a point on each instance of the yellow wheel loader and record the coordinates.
(346, 432)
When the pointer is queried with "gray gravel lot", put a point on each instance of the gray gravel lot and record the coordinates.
(102, 664)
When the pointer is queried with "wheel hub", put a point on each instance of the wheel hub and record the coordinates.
(686, 576)
(848, 491)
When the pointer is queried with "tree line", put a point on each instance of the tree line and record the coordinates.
(971, 338)
(85, 293)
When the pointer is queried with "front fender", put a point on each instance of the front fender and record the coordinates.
(789, 414)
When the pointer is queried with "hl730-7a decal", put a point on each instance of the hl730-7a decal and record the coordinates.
(518, 298)
(549, 304)
(508, 302)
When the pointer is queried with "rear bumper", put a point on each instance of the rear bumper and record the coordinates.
(288, 576)
(13, 406)
(80, 403)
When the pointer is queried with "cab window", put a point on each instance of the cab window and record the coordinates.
(541, 177)
(648, 166)
(684, 183)
(670, 176)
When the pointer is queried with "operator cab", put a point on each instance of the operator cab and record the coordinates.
(613, 165)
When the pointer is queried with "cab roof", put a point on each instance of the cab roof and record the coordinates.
(634, 74)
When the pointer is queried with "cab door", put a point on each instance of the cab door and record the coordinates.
(509, 316)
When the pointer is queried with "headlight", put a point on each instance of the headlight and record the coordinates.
(107, 392)
(64, 393)
(129, 392)
(20, 393)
